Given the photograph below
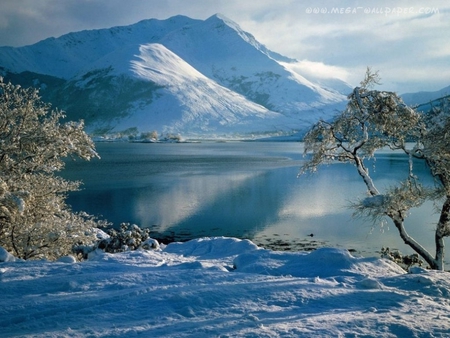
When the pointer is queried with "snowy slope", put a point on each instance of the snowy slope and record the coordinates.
(243, 87)
(193, 97)
(222, 51)
(68, 55)
(222, 287)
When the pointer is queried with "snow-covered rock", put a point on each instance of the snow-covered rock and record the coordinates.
(150, 244)
(67, 259)
(5, 256)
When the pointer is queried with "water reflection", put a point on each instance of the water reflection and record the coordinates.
(238, 189)
(186, 197)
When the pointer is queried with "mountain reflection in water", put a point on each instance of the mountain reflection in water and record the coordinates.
(240, 189)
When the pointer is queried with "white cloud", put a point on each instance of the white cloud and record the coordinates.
(320, 70)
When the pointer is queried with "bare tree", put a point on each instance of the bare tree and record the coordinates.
(379, 119)
(35, 221)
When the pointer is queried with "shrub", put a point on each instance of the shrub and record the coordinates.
(128, 237)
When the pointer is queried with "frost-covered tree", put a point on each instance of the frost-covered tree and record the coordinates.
(380, 119)
(35, 221)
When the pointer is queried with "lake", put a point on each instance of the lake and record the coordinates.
(240, 189)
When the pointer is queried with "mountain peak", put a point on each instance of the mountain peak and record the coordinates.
(179, 75)
(219, 22)
(220, 18)
(176, 22)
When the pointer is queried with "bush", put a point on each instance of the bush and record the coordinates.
(404, 261)
(128, 237)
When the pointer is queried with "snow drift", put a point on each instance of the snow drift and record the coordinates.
(222, 287)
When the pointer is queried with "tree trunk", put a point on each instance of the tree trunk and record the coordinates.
(436, 263)
(442, 231)
(362, 171)
(440, 250)
(408, 240)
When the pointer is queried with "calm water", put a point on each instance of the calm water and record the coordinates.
(241, 189)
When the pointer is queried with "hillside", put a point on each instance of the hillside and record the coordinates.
(423, 101)
(180, 75)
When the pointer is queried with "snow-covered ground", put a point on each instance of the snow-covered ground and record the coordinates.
(221, 287)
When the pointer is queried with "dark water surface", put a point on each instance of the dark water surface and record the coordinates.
(239, 189)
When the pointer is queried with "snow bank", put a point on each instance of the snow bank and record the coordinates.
(192, 290)
(324, 262)
(212, 248)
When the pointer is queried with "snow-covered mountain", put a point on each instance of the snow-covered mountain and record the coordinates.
(178, 75)
(423, 100)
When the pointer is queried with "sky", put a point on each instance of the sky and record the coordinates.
(406, 41)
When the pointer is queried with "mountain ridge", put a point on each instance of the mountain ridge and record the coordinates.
(236, 83)
(424, 97)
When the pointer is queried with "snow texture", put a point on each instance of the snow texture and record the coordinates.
(222, 287)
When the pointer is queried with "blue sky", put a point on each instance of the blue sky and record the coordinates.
(406, 41)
